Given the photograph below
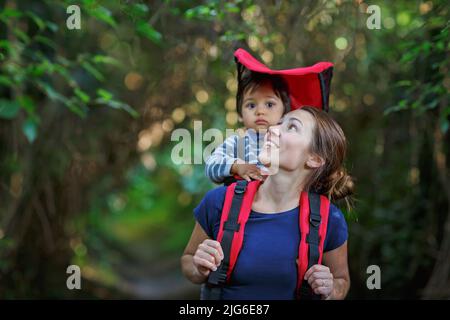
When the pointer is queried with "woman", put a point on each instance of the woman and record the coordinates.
(311, 148)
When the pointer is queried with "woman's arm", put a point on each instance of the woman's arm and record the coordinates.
(332, 279)
(200, 256)
(337, 261)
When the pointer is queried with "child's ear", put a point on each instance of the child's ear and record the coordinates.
(314, 161)
(240, 118)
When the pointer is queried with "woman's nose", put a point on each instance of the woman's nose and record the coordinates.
(275, 130)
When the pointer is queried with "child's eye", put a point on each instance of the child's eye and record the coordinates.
(250, 105)
(270, 104)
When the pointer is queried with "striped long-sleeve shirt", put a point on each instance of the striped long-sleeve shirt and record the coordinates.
(246, 148)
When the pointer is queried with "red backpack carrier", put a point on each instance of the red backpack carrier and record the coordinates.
(313, 221)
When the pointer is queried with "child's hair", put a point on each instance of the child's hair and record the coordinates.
(251, 80)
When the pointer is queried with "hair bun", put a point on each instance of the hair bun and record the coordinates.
(342, 185)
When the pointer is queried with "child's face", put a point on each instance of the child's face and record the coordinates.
(261, 108)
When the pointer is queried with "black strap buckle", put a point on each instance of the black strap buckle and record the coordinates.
(218, 277)
(241, 186)
(314, 220)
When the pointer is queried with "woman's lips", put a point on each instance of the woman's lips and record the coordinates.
(271, 142)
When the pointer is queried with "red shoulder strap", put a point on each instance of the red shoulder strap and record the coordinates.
(244, 213)
(304, 230)
(303, 224)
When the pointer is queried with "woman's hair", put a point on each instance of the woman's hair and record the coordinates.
(328, 142)
(250, 80)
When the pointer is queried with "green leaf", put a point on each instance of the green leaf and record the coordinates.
(27, 103)
(63, 71)
(106, 98)
(120, 105)
(92, 70)
(105, 95)
(404, 83)
(82, 95)
(73, 106)
(231, 7)
(22, 36)
(36, 19)
(175, 11)
(106, 60)
(6, 81)
(52, 93)
(201, 12)
(39, 69)
(52, 26)
(401, 106)
(46, 41)
(230, 36)
(8, 109)
(8, 13)
(444, 124)
(144, 29)
(5, 45)
(444, 119)
(29, 128)
(103, 14)
(138, 10)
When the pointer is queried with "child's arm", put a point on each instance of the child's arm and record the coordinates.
(218, 165)
(224, 163)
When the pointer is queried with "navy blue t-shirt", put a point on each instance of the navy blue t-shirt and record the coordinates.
(266, 267)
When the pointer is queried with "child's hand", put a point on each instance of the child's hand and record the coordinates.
(246, 171)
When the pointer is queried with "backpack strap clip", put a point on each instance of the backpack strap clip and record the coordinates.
(241, 186)
(314, 220)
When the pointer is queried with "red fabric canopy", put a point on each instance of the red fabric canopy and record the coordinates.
(308, 86)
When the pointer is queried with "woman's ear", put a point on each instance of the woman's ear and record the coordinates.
(315, 161)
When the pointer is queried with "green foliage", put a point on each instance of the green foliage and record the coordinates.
(33, 60)
(426, 93)
(100, 183)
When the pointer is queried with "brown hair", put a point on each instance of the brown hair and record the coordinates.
(250, 80)
(330, 144)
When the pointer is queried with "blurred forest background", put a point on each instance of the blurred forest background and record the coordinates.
(86, 118)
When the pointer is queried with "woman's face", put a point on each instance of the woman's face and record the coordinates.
(289, 141)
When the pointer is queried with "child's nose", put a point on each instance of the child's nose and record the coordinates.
(260, 110)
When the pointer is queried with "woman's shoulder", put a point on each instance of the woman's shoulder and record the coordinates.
(335, 212)
(337, 231)
(337, 217)
(207, 213)
(216, 195)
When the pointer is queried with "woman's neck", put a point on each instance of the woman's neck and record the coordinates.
(280, 192)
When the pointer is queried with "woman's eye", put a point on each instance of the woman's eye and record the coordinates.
(292, 127)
